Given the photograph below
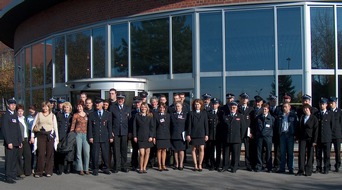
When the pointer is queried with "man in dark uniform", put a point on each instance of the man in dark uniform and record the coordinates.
(53, 102)
(325, 124)
(206, 102)
(121, 116)
(135, 109)
(258, 102)
(272, 101)
(336, 131)
(263, 133)
(233, 128)
(247, 112)
(12, 141)
(99, 135)
(229, 98)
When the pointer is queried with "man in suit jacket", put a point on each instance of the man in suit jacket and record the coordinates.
(99, 135)
(325, 125)
(12, 141)
(336, 131)
(121, 115)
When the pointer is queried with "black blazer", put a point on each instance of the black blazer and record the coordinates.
(248, 117)
(143, 127)
(10, 129)
(64, 124)
(325, 124)
(178, 125)
(336, 129)
(162, 123)
(197, 124)
(308, 130)
(121, 119)
(213, 125)
(100, 129)
(233, 128)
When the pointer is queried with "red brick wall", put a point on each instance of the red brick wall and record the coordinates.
(75, 13)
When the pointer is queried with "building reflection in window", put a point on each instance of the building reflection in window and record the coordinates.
(38, 64)
(48, 67)
(60, 59)
(322, 38)
(119, 50)
(182, 44)
(78, 51)
(99, 52)
(150, 47)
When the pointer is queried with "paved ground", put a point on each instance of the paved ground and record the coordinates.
(186, 179)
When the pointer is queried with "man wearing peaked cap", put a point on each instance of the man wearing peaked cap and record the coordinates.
(306, 100)
(12, 140)
(336, 131)
(325, 124)
(206, 101)
(229, 98)
(143, 95)
(60, 103)
(247, 112)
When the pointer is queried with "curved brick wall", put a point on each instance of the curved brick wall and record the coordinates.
(74, 13)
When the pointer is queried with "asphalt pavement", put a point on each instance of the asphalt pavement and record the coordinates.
(174, 179)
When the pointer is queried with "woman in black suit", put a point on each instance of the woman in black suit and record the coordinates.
(178, 123)
(307, 134)
(143, 133)
(162, 139)
(197, 132)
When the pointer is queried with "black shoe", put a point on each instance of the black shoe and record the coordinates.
(106, 172)
(125, 170)
(95, 173)
(299, 173)
(58, 173)
(10, 181)
(291, 172)
(223, 170)
(180, 168)
(18, 178)
(211, 169)
(249, 168)
(67, 172)
(280, 171)
(337, 169)
(326, 172)
(269, 170)
(115, 171)
(134, 168)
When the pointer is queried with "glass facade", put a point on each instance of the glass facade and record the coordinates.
(264, 49)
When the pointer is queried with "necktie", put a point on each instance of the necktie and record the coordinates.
(120, 107)
(100, 114)
(214, 112)
(244, 108)
(66, 115)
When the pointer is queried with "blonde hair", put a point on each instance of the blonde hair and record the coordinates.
(148, 113)
(48, 104)
(68, 104)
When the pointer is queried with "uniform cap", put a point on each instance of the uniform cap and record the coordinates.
(206, 96)
(99, 100)
(143, 94)
(244, 95)
(258, 98)
(11, 101)
(323, 100)
(333, 99)
(230, 95)
(215, 101)
(306, 97)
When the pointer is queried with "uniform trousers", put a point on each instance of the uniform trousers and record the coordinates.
(11, 156)
(337, 149)
(325, 148)
(245, 141)
(120, 152)
(24, 159)
(305, 161)
(134, 157)
(234, 148)
(213, 145)
(268, 153)
(104, 148)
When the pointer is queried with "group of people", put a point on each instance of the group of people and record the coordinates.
(86, 138)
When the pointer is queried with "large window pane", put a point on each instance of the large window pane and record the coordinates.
(250, 40)
(211, 42)
(48, 53)
(99, 50)
(339, 36)
(60, 59)
(119, 50)
(289, 84)
(339, 90)
(252, 85)
(150, 47)
(38, 97)
(38, 64)
(289, 38)
(182, 44)
(213, 86)
(78, 50)
(322, 38)
(27, 62)
(322, 86)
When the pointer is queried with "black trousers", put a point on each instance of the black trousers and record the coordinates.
(253, 152)
(134, 157)
(24, 159)
(325, 148)
(104, 148)
(337, 149)
(211, 146)
(235, 149)
(120, 152)
(305, 156)
(246, 143)
(277, 155)
(268, 154)
(11, 156)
